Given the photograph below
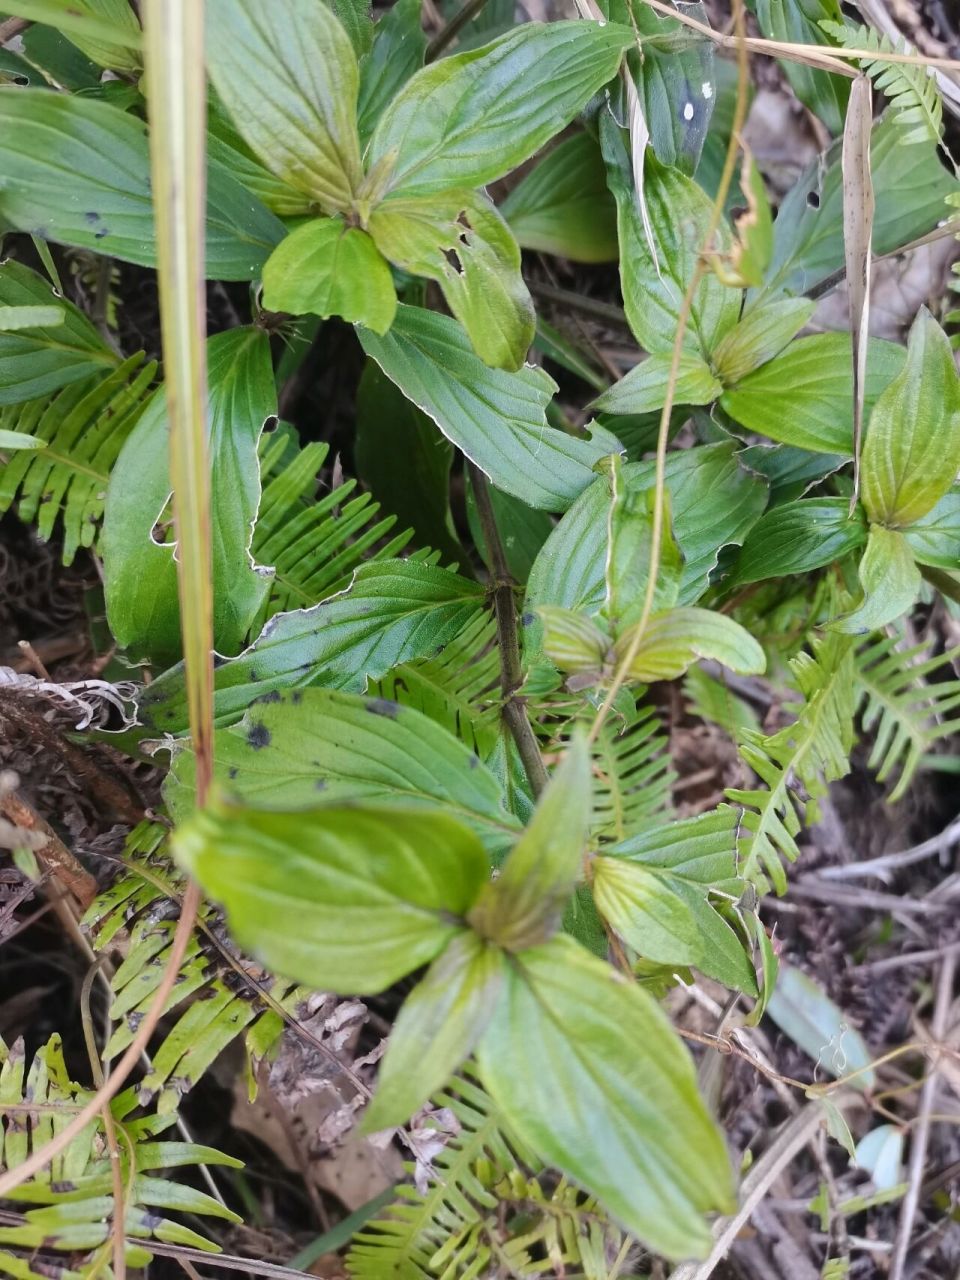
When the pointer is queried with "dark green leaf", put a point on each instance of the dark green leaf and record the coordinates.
(679, 214)
(563, 205)
(524, 906)
(356, 19)
(41, 358)
(797, 22)
(799, 536)
(805, 396)
(346, 900)
(329, 269)
(397, 52)
(107, 31)
(104, 151)
(469, 119)
(393, 611)
(299, 749)
(288, 76)
(498, 419)
(655, 891)
(405, 462)
(140, 573)
(911, 452)
(437, 1028)
(588, 1071)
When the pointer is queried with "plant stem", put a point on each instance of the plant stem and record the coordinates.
(453, 28)
(514, 709)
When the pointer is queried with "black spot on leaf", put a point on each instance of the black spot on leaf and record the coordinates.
(383, 707)
(528, 619)
(258, 736)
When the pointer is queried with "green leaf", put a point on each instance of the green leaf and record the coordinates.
(397, 52)
(497, 418)
(572, 641)
(228, 149)
(814, 1023)
(107, 31)
(563, 206)
(655, 891)
(797, 537)
(524, 906)
(405, 462)
(674, 74)
(805, 396)
(910, 184)
(644, 388)
(289, 78)
(140, 573)
(798, 22)
(438, 1027)
(20, 440)
(469, 119)
(393, 611)
(911, 452)
(346, 900)
(44, 135)
(674, 639)
(890, 580)
(357, 21)
(14, 318)
(935, 539)
(299, 749)
(761, 334)
(653, 292)
(329, 269)
(713, 501)
(483, 286)
(48, 354)
(588, 1070)
(627, 558)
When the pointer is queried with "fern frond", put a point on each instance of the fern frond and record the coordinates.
(905, 713)
(632, 776)
(84, 427)
(458, 688)
(809, 753)
(314, 545)
(485, 1210)
(911, 88)
(74, 1195)
(142, 902)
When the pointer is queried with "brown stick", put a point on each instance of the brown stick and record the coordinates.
(54, 856)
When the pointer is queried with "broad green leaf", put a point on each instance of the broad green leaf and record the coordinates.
(405, 462)
(469, 119)
(307, 747)
(714, 501)
(228, 149)
(329, 269)
(588, 1070)
(397, 52)
(674, 74)
(799, 536)
(497, 418)
(674, 639)
(346, 900)
(44, 135)
(797, 21)
(44, 357)
(792, 472)
(911, 453)
(287, 74)
(760, 335)
(572, 641)
(644, 388)
(140, 573)
(107, 31)
(805, 395)
(461, 241)
(15, 318)
(438, 1027)
(813, 1022)
(20, 440)
(655, 891)
(910, 184)
(935, 539)
(890, 581)
(393, 611)
(563, 205)
(524, 906)
(653, 292)
(629, 520)
(357, 21)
